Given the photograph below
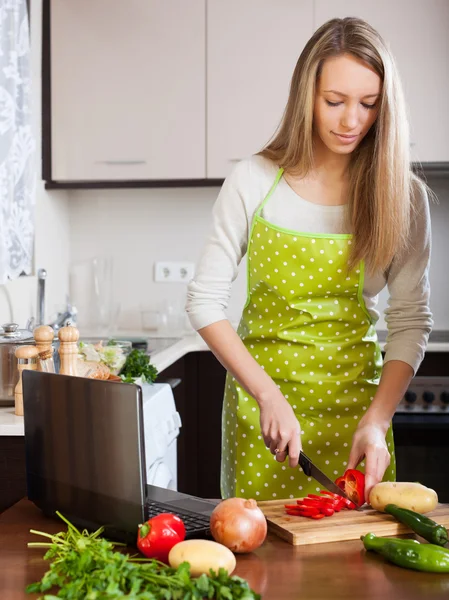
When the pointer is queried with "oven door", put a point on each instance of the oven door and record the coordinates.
(422, 450)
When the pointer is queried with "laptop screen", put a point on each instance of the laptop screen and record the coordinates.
(84, 449)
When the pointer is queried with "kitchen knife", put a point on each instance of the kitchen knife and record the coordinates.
(312, 470)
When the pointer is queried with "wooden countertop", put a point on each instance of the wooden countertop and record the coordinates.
(277, 570)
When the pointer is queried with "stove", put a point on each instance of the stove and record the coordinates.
(426, 395)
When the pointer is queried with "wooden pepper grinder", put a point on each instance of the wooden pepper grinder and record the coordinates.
(68, 350)
(44, 336)
(27, 359)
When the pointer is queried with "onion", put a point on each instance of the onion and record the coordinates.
(238, 524)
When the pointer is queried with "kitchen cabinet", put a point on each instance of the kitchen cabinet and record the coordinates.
(127, 90)
(252, 49)
(417, 32)
(12, 470)
(199, 401)
(147, 92)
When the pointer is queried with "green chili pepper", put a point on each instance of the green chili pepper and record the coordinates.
(409, 554)
(423, 526)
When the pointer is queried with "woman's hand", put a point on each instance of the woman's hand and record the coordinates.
(280, 428)
(369, 443)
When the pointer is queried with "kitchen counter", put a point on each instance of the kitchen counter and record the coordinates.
(10, 424)
(277, 570)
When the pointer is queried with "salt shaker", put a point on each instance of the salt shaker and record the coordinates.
(27, 360)
(68, 350)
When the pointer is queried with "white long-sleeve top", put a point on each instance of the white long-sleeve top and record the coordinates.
(408, 316)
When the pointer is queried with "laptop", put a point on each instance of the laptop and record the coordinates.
(84, 444)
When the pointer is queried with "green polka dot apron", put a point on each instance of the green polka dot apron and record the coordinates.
(306, 324)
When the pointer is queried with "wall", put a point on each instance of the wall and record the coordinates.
(52, 216)
(139, 227)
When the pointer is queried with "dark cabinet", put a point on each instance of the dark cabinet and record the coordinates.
(199, 400)
(12, 470)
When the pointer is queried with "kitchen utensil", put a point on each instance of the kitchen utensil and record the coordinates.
(91, 285)
(27, 359)
(41, 277)
(45, 361)
(151, 318)
(68, 350)
(10, 339)
(312, 470)
(345, 525)
(44, 336)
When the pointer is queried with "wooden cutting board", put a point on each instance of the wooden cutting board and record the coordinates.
(345, 525)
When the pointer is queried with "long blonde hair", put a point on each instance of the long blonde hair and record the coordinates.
(381, 183)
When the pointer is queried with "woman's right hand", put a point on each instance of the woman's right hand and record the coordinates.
(280, 428)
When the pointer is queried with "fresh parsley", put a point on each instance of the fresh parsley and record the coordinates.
(138, 365)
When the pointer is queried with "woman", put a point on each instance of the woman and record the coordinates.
(329, 213)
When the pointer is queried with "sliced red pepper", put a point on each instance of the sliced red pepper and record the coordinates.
(309, 510)
(353, 484)
(331, 495)
(325, 504)
(311, 502)
(326, 511)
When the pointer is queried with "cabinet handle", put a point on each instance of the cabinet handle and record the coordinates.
(234, 160)
(121, 162)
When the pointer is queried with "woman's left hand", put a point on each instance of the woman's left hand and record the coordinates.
(369, 443)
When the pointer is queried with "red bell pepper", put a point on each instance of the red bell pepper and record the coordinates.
(353, 484)
(325, 504)
(158, 535)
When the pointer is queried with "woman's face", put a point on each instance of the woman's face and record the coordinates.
(346, 103)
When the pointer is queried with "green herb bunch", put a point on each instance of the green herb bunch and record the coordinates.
(85, 566)
(138, 366)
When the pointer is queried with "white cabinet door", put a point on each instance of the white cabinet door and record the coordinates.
(128, 89)
(252, 50)
(418, 34)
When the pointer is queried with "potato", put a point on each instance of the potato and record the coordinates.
(413, 496)
(202, 556)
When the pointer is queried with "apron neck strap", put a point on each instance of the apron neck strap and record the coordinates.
(273, 187)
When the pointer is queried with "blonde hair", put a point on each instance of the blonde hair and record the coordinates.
(381, 183)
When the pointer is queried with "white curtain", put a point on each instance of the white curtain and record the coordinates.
(17, 145)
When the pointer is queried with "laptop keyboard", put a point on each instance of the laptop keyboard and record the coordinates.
(196, 525)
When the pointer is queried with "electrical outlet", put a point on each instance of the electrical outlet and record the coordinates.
(174, 272)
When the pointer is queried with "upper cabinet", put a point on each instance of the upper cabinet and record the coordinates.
(252, 49)
(417, 32)
(127, 90)
(153, 91)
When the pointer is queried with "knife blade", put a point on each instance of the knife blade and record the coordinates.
(312, 470)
